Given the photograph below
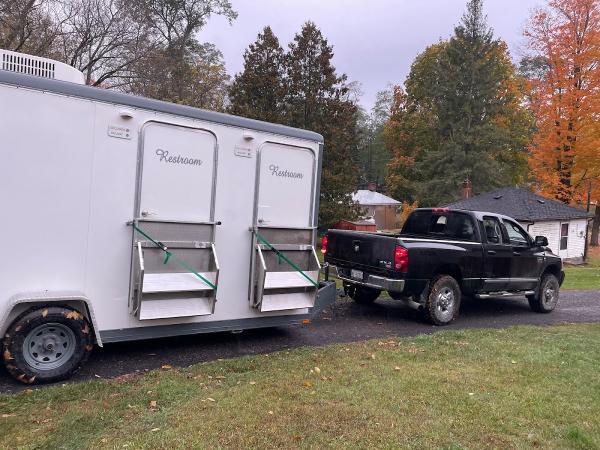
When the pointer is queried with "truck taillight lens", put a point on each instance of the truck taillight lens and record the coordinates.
(401, 259)
(324, 244)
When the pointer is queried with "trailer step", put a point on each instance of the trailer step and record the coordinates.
(287, 301)
(176, 282)
(175, 307)
(286, 280)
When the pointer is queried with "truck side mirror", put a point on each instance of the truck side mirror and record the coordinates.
(541, 241)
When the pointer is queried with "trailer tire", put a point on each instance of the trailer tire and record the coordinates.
(443, 300)
(46, 344)
(546, 296)
(363, 295)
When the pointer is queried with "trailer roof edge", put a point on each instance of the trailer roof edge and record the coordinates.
(110, 96)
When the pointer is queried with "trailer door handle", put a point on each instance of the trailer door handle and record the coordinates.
(491, 252)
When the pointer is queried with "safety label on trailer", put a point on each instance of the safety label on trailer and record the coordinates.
(119, 132)
(243, 152)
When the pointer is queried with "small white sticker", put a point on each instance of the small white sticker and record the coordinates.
(244, 152)
(119, 132)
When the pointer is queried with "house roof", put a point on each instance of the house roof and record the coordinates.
(520, 204)
(371, 198)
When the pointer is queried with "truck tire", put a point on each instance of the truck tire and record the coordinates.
(443, 301)
(546, 296)
(362, 294)
(47, 344)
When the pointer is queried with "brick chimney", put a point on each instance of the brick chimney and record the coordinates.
(372, 186)
(466, 190)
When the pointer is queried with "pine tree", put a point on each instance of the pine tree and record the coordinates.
(316, 99)
(257, 92)
(465, 94)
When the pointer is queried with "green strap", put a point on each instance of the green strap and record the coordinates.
(168, 256)
(282, 256)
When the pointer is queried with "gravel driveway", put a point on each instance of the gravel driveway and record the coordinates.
(343, 322)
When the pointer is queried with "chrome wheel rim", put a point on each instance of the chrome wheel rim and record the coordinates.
(445, 304)
(550, 294)
(49, 346)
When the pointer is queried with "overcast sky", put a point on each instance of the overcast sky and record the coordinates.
(374, 41)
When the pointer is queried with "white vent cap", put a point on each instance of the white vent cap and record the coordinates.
(39, 67)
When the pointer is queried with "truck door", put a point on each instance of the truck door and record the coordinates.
(524, 269)
(497, 254)
(175, 267)
(285, 268)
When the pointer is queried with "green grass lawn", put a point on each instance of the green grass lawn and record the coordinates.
(583, 277)
(523, 387)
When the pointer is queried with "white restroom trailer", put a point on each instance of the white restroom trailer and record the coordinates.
(128, 218)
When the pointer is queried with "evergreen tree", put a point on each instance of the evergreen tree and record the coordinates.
(465, 94)
(257, 92)
(317, 99)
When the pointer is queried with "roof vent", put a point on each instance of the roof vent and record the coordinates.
(541, 201)
(497, 197)
(39, 67)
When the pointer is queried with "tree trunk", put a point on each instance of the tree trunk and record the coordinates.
(595, 227)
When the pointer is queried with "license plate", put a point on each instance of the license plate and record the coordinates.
(358, 274)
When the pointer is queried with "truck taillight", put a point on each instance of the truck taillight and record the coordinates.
(401, 259)
(324, 244)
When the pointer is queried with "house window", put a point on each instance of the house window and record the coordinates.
(564, 236)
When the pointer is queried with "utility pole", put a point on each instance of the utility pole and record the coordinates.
(587, 222)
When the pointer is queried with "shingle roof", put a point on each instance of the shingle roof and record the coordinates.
(520, 204)
(371, 198)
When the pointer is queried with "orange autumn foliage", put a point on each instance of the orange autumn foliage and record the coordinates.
(565, 98)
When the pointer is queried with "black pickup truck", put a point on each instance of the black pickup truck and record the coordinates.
(442, 254)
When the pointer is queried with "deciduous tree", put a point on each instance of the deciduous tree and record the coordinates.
(565, 97)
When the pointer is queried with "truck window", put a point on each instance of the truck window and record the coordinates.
(443, 224)
(515, 234)
(493, 230)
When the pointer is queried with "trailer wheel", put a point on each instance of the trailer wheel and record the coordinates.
(362, 294)
(443, 302)
(546, 297)
(47, 344)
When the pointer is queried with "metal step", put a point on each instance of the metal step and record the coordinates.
(283, 280)
(175, 307)
(287, 301)
(176, 282)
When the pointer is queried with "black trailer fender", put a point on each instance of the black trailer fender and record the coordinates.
(77, 300)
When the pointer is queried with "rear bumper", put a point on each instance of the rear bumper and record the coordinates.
(372, 281)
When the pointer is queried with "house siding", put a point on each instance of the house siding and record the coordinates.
(551, 229)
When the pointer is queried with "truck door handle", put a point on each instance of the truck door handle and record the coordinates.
(517, 253)
(491, 252)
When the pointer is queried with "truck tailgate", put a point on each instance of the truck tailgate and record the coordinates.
(366, 251)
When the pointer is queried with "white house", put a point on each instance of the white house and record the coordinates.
(383, 209)
(564, 226)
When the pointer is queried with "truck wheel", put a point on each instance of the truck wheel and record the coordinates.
(362, 294)
(47, 344)
(546, 297)
(443, 302)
